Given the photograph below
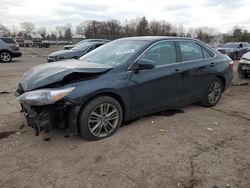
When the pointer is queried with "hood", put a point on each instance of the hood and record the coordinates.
(50, 73)
(227, 49)
(62, 53)
(246, 56)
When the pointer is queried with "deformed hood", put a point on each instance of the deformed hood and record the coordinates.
(50, 73)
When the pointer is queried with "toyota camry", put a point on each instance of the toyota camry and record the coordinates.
(122, 80)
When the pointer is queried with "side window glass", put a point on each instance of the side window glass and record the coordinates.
(162, 53)
(190, 51)
(206, 54)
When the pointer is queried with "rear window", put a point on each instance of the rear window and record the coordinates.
(192, 51)
(8, 40)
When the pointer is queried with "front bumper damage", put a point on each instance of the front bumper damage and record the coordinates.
(61, 115)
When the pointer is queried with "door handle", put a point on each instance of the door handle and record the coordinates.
(177, 70)
(212, 64)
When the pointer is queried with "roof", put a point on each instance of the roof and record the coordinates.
(155, 38)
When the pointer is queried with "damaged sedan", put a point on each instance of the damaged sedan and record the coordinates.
(122, 80)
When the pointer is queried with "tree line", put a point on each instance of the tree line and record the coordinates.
(113, 29)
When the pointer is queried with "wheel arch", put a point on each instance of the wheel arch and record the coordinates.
(223, 80)
(5, 50)
(103, 93)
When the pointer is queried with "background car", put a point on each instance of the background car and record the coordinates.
(68, 47)
(75, 52)
(9, 49)
(234, 50)
(124, 79)
(244, 66)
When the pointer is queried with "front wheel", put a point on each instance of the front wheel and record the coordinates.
(213, 93)
(5, 57)
(100, 118)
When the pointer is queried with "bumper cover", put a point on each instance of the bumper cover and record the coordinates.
(16, 54)
(44, 118)
(243, 68)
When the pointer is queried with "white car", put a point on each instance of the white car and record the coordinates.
(244, 66)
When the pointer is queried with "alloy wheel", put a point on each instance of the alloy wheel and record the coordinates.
(103, 120)
(5, 57)
(214, 92)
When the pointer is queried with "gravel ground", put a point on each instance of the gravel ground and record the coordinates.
(197, 147)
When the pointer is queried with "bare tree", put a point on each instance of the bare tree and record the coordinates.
(4, 31)
(142, 27)
(27, 27)
(42, 31)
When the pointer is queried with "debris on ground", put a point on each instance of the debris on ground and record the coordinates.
(216, 123)
(21, 132)
(72, 147)
(163, 131)
(22, 126)
(210, 129)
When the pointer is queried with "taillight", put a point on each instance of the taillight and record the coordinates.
(231, 64)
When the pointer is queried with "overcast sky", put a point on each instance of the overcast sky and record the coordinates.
(220, 14)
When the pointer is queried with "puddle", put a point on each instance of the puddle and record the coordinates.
(4, 92)
(46, 139)
(6, 134)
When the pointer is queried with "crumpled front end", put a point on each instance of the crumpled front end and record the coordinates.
(44, 117)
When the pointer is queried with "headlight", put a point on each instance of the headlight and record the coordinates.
(44, 96)
(243, 60)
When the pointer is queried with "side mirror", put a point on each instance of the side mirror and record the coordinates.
(143, 64)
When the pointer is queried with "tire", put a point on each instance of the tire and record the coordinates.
(213, 93)
(243, 75)
(94, 125)
(5, 57)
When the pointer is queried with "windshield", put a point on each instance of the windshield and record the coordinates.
(82, 47)
(231, 45)
(114, 53)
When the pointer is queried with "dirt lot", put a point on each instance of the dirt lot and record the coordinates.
(202, 147)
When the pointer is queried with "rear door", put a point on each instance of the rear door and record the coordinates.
(197, 70)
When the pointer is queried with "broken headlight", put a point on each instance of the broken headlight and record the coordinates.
(44, 96)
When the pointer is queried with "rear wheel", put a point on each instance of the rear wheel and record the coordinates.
(5, 57)
(100, 118)
(213, 93)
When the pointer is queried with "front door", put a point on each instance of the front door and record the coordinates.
(157, 88)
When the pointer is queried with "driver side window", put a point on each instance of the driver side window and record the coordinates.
(162, 53)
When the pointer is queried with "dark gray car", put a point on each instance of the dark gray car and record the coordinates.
(68, 47)
(124, 79)
(234, 50)
(9, 49)
(75, 52)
